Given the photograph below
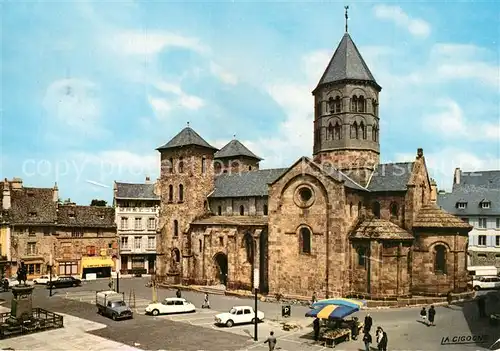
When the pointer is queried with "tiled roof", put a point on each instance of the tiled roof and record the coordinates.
(233, 220)
(391, 177)
(347, 64)
(432, 216)
(234, 149)
(86, 216)
(375, 228)
(480, 179)
(33, 206)
(473, 197)
(186, 137)
(134, 191)
(245, 184)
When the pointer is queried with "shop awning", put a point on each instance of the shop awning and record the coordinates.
(97, 262)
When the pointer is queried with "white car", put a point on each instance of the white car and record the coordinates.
(238, 315)
(170, 305)
(14, 282)
(486, 283)
(44, 279)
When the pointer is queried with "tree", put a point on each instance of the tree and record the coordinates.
(97, 202)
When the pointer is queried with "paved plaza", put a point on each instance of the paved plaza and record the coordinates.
(196, 331)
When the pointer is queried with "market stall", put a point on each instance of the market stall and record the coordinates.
(334, 328)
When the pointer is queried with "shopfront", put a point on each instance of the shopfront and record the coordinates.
(101, 266)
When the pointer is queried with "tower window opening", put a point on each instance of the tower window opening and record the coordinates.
(338, 105)
(375, 133)
(337, 133)
(362, 130)
(330, 135)
(361, 104)
(354, 130)
(354, 103)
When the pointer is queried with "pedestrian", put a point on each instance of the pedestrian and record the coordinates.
(367, 339)
(423, 315)
(316, 328)
(449, 298)
(271, 341)
(368, 323)
(354, 328)
(314, 299)
(206, 302)
(178, 293)
(6, 284)
(432, 314)
(481, 305)
(382, 345)
(378, 337)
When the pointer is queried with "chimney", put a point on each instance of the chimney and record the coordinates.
(55, 193)
(434, 191)
(6, 195)
(420, 152)
(456, 177)
(148, 180)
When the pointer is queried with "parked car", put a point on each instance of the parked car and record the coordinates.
(238, 315)
(14, 282)
(112, 304)
(486, 283)
(44, 279)
(64, 282)
(171, 305)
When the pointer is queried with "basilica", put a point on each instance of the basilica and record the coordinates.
(336, 223)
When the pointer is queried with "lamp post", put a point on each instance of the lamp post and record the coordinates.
(50, 275)
(256, 289)
(117, 281)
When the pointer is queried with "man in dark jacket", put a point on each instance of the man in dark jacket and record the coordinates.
(271, 341)
(368, 323)
(316, 328)
(432, 314)
(382, 345)
(178, 293)
(367, 340)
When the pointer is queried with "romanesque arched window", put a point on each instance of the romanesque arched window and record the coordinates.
(200, 245)
(338, 104)
(181, 192)
(354, 130)
(176, 227)
(181, 165)
(329, 132)
(170, 193)
(362, 130)
(264, 209)
(440, 259)
(331, 105)
(350, 209)
(305, 240)
(171, 165)
(376, 209)
(242, 210)
(177, 255)
(375, 132)
(361, 104)
(354, 103)
(219, 210)
(361, 256)
(375, 107)
(337, 132)
(249, 247)
(394, 210)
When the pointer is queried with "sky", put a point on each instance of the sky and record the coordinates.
(90, 89)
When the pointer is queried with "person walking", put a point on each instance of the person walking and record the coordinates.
(481, 305)
(423, 315)
(368, 323)
(178, 293)
(271, 341)
(316, 328)
(378, 337)
(432, 314)
(449, 298)
(314, 298)
(206, 302)
(367, 340)
(382, 345)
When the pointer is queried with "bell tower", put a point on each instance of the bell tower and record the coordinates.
(346, 114)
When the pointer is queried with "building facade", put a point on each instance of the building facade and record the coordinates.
(73, 240)
(338, 224)
(475, 198)
(136, 209)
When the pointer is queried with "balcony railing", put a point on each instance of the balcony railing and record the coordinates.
(137, 209)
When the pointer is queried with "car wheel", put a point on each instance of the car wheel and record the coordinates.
(75, 285)
(229, 323)
(477, 288)
(253, 321)
(155, 312)
(114, 316)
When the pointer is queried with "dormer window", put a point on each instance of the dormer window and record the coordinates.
(461, 205)
(485, 205)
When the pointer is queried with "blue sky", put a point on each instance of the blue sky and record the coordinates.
(90, 89)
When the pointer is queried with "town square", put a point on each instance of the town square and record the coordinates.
(240, 176)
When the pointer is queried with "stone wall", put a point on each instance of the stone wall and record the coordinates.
(236, 165)
(231, 206)
(386, 201)
(419, 191)
(425, 280)
(484, 258)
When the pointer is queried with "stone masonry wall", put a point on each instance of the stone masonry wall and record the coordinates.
(236, 165)
(254, 206)
(419, 191)
(483, 258)
(386, 200)
(291, 271)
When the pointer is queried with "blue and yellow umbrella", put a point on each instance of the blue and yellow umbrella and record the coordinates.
(332, 312)
(359, 304)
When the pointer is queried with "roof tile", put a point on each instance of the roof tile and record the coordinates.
(432, 216)
(234, 149)
(134, 191)
(186, 137)
(86, 216)
(391, 177)
(375, 228)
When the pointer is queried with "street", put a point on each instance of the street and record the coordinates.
(193, 332)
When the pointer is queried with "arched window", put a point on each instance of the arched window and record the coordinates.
(219, 210)
(362, 130)
(359, 208)
(217, 167)
(337, 132)
(331, 105)
(305, 240)
(361, 104)
(350, 209)
(376, 209)
(329, 135)
(354, 103)
(181, 165)
(265, 210)
(171, 166)
(203, 164)
(375, 107)
(361, 256)
(354, 131)
(170, 193)
(177, 255)
(338, 104)
(181, 192)
(375, 132)
(249, 168)
(176, 227)
(200, 244)
(249, 247)
(423, 194)
(242, 210)
(440, 259)
(394, 210)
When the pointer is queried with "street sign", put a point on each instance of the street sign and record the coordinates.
(256, 278)
(286, 311)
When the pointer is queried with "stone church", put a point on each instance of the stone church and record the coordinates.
(338, 223)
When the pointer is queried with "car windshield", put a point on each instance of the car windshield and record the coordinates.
(118, 304)
(233, 311)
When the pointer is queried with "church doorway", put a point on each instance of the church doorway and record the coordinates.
(222, 269)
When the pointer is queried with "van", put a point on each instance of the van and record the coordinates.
(482, 271)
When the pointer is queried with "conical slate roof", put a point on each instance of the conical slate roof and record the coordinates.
(432, 216)
(347, 64)
(235, 149)
(186, 137)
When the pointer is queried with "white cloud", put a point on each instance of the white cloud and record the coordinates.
(160, 106)
(191, 102)
(177, 98)
(134, 42)
(417, 27)
(222, 74)
(481, 71)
